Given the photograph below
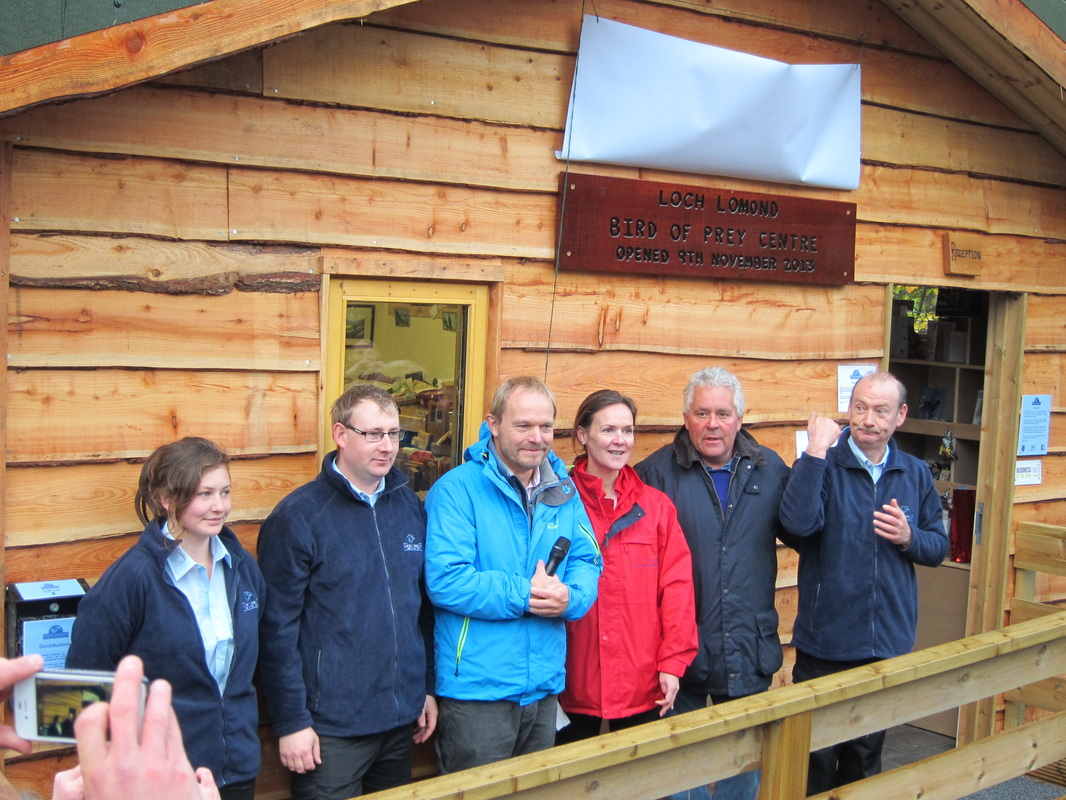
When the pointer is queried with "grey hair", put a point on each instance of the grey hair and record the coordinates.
(711, 377)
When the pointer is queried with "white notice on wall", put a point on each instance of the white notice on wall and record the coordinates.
(1028, 473)
(847, 377)
(1035, 425)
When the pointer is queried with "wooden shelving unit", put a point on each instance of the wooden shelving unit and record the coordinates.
(943, 392)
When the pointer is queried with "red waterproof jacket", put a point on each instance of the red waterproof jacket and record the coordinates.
(644, 620)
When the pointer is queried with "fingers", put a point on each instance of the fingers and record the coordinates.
(16, 669)
(11, 672)
(90, 730)
(68, 785)
(206, 784)
(427, 720)
(125, 703)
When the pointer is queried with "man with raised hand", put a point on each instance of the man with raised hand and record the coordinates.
(860, 513)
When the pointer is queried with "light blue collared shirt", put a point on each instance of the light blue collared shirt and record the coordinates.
(210, 605)
(370, 498)
(875, 470)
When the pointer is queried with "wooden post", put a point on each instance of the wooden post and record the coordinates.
(5, 263)
(995, 488)
(786, 745)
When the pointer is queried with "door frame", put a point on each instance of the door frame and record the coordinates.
(475, 297)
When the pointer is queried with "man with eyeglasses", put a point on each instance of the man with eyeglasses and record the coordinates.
(494, 522)
(861, 514)
(346, 657)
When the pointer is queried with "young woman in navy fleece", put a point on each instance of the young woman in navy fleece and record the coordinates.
(187, 599)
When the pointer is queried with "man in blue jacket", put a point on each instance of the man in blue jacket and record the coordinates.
(861, 514)
(500, 639)
(346, 675)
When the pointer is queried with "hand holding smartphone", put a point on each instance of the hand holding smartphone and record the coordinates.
(46, 704)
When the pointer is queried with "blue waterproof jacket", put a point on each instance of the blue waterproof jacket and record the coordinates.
(482, 547)
(348, 619)
(858, 596)
(135, 608)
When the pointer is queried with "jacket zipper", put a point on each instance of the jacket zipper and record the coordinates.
(461, 644)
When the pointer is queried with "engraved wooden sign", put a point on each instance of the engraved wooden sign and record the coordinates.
(963, 254)
(645, 227)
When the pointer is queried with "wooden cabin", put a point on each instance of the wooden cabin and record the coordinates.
(210, 217)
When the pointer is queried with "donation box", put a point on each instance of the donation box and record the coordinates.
(40, 617)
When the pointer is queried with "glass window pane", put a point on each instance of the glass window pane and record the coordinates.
(416, 352)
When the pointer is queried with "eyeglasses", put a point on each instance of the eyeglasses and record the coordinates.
(376, 436)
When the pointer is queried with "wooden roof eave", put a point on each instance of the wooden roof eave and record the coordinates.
(121, 56)
(1006, 48)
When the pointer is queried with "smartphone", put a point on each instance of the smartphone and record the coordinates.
(47, 703)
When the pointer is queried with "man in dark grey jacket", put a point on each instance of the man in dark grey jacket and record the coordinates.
(727, 488)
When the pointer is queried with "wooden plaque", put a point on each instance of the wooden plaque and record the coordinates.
(649, 228)
(963, 254)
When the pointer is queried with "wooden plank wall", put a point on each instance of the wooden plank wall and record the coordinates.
(166, 245)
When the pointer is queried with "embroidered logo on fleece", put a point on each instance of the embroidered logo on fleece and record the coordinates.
(250, 601)
(411, 544)
(907, 513)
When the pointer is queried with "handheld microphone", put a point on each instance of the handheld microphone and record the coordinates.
(558, 553)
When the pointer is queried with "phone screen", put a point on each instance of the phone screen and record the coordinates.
(50, 712)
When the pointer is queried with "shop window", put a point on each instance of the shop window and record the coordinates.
(424, 342)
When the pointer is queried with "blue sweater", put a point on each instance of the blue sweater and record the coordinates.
(858, 596)
(135, 608)
(483, 546)
(347, 652)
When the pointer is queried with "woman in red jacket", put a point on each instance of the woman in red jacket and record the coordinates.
(624, 658)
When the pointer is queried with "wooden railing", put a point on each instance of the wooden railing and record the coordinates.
(775, 731)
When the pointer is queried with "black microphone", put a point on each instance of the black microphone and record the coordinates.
(558, 553)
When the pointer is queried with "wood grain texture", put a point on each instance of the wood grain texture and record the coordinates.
(53, 504)
(170, 264)
(774, 391)
(889, 76)
(593, 313)
(522, 24)
(263, 132)
(5, 273)
(390, 265)
(55, 191)
(1045, 373)
(242, 331)
(253, 131)
(271, 205)
(322, 209)
(1045, 324)
(1052, 485)
(79, 415)
(914, 255)
(126, 54)
(356, 65)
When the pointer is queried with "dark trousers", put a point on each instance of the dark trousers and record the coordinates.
(357, 765)
(471, 733)
(245, 790)
(585, 726)
(846, 762)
